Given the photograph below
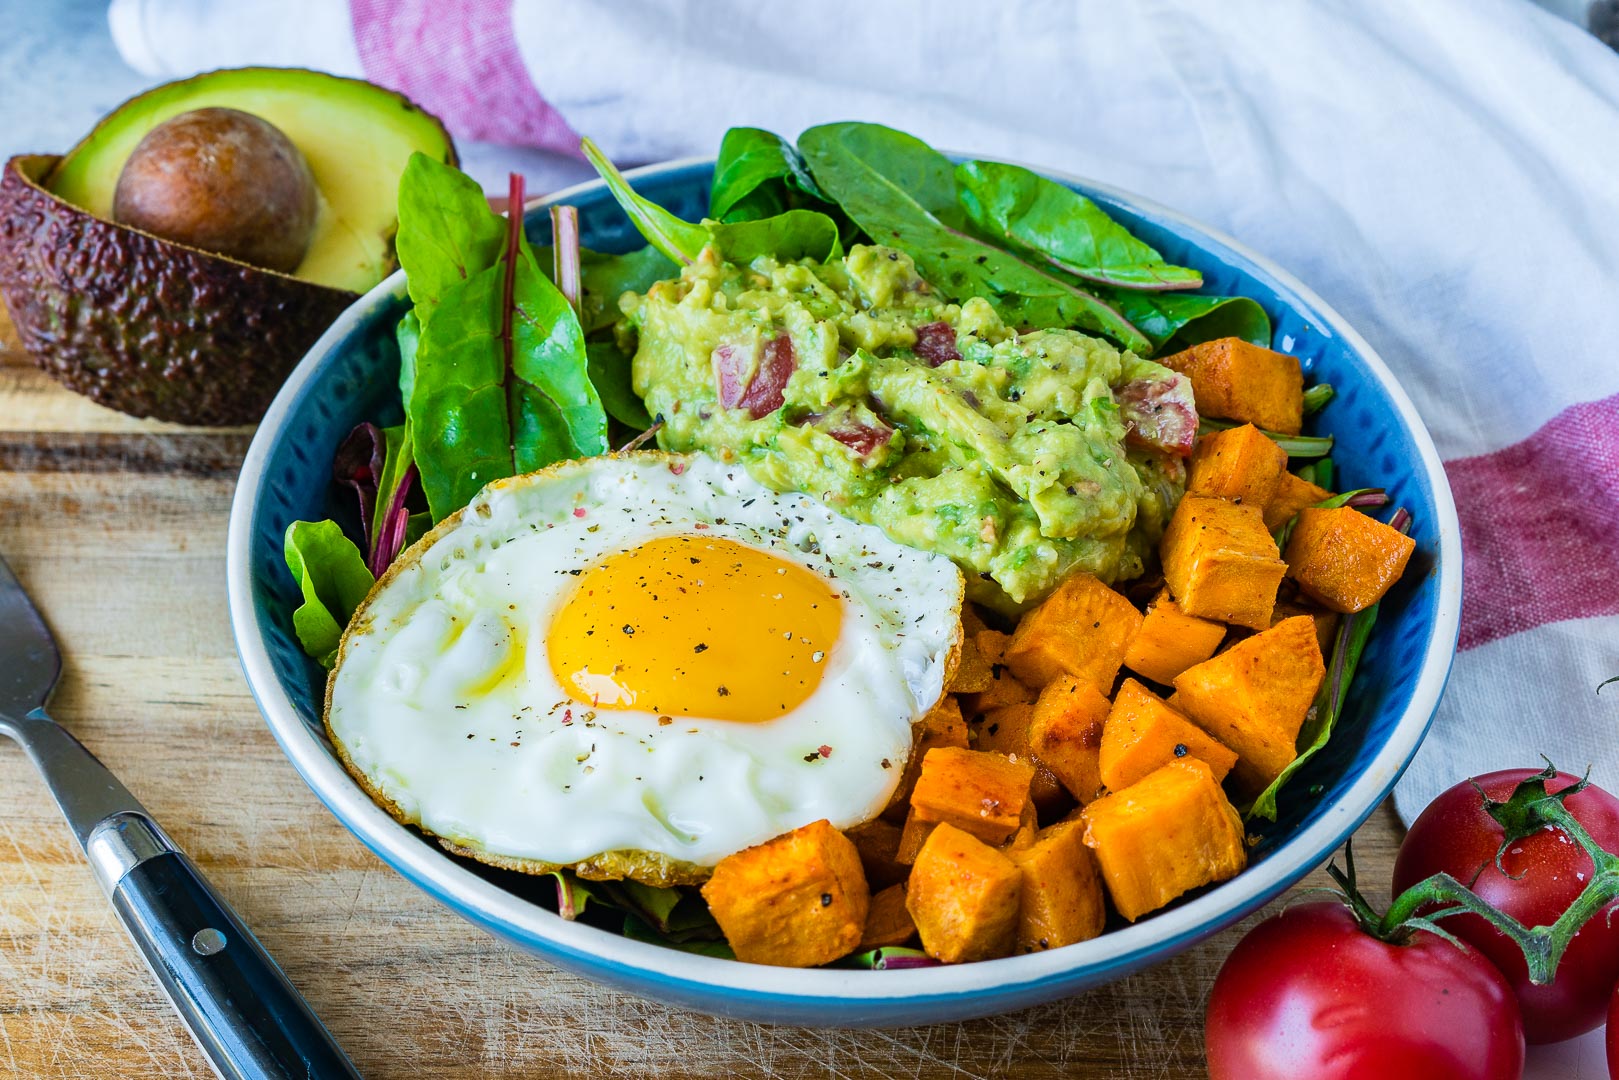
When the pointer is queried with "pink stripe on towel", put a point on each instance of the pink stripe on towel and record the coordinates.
(459, 60)
(1540, 525)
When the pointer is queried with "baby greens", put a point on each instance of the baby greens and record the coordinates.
(902, 193)
(1042, 218)
(499, 383)
(758, 174)
(332, 578)
(792, 234)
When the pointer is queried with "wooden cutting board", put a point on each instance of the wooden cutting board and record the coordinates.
(117, 528)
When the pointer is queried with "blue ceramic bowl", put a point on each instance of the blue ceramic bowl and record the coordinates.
(350, 375)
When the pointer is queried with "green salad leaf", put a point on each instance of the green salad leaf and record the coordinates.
(493, 373)
(607, 277)
(758, 174)
(902, 193)
(792, 234)
(610, 371)
(1175, 321)
(447, 232)
(332, 576)
(1322, 718)
(1049, 221)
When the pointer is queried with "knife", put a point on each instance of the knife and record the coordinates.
(244, 1014)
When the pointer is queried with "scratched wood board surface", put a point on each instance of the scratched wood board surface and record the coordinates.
(117, 528)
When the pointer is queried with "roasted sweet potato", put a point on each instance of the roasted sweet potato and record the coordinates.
(888, 922)
(1237, 380)
(1170, 641)
(1061, 900)
(1006, 731)
(1344, 559)
(1241, 464)
(877, 841)
(1292, 495)
(942, 726)
(1220, 561)
(1143, 734)
(1253, 696)
(964, 895)
(1169, 832)
(1065, 733)
(1082, 629)
(980, 792)
(911, 838)
(1326, 622)
(972, 673)
(799, 900)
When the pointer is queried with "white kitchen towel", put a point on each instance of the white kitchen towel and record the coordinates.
(1445, 174)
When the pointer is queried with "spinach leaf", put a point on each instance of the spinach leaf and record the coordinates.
(795, 234)
(757, 176)
(610, 371)
(447, 232)
(1322, 718)
(331, 575)
(902, 193)
(1048, 221)
(1175, 321)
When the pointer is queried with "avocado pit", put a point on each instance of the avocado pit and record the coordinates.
(224, 181)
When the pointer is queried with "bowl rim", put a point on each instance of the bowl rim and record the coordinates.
(645, 965)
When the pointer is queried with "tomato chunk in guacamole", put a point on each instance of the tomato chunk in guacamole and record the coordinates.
(1023, 456)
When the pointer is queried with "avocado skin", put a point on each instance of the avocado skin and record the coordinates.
(144, 325)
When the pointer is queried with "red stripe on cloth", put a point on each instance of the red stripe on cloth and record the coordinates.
(1540, 525)
(459, 60)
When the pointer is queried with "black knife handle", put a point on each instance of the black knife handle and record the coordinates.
(242, 1010)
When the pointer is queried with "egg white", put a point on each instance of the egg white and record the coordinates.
(443, 702)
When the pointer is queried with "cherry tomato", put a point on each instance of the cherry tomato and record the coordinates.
(1613, 1036)
(1544, 873)
(1309, 994)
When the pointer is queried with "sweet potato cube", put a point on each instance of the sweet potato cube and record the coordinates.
(972, 672)
(982, 793)
(1143, 734)
(1253, 697)
(1061, 900)
(1326, 622)
(1292, 495)
(992, 646)
(1006, 731)
(1082, 629)
(1169, 832)
(942, 726)
(799, 900)
(888, 922)
(877, 841)
(1170, 641)
(1344, 559)
(1004, 689)
(1220, 561)
(964, 896)
(1065, 733)
(971, 622)
(911, 838)
(1237, 380)
(1241, 464)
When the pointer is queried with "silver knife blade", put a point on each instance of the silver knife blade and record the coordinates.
(29, 661)
(30, 665)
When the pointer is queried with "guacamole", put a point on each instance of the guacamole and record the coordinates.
(1022, 456)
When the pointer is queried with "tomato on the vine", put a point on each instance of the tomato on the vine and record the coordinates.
(1543, 875)
(1310, 993)
(1613, 1036)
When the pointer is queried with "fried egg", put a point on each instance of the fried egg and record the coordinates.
(637, 665)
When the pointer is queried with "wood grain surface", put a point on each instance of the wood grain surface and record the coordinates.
(117, 528)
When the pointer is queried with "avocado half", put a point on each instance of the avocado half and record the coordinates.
(156, 328)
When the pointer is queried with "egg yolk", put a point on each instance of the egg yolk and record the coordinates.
(695, 626)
